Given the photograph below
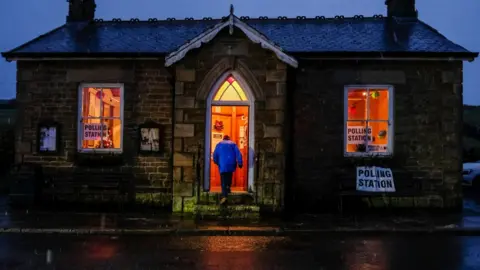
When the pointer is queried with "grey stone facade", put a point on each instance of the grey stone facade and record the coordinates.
(427, 120)
(195, 77)
(49, 90)
(298, 122)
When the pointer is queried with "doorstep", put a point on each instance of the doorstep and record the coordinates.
(237, 211)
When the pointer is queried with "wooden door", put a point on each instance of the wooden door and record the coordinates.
(232, 121)
(221, 125)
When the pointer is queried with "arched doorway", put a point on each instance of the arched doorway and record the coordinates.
(230, 111)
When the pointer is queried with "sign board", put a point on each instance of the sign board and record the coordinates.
(377, 148)
(375, 179)
(216, 138)
(93, 131)
(48, 139)
(358, 134)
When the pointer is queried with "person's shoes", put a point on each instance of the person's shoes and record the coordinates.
(223, 200)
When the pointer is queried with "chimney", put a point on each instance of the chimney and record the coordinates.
(81, 10)
(401, 8)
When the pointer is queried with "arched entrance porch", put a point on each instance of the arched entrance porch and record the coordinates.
(230, 111)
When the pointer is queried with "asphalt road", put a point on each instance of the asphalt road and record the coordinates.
(429, 252)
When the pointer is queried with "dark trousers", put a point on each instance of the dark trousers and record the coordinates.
(226, 179)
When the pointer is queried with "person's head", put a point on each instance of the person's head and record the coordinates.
(226, 137)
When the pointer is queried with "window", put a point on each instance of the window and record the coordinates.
(100, 118)
(368, 120)
(230, 90)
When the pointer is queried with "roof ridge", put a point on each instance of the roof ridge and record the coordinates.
(152, 38)
(244, 18)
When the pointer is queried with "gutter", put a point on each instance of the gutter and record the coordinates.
(81, 56)
(394, 56)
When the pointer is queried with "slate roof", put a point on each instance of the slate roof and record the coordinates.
(300, 35)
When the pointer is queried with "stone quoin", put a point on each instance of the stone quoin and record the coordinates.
(286, 90)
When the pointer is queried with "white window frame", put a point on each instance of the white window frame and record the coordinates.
(391, 117)
(80, 118)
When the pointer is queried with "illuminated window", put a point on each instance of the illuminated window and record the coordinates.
(368, 121)
(230, 91)
(101, 118)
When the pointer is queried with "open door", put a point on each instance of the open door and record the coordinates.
(232, 121)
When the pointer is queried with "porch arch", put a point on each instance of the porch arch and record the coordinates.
(212, 100)
(224, 66)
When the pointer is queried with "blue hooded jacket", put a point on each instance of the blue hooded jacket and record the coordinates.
(227, 156)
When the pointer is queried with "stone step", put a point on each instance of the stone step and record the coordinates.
(233, 199)
(235, 211)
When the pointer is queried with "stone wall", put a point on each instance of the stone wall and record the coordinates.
(7, 124)
(49, 90)
(428, 117)
(428, 98)
(195, 76)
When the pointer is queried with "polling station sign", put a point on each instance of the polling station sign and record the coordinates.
(93, 131)
(358, 134)
(375, 179)
(377, 148)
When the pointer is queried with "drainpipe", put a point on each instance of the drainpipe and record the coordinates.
(289, 131)
(199, 171)
(172, 143)
(259, 166)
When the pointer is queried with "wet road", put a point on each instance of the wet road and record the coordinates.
(320, 252)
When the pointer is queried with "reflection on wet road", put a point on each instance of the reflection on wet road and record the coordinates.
(428, 252)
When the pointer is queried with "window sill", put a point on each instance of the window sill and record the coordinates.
(100, 151)
(48, 153)
(368, 155)
(99, 159)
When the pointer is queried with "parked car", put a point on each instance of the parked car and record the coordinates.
(471, 174)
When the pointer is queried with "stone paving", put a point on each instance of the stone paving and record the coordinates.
(29, 221)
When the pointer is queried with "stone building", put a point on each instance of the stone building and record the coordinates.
(306, 100)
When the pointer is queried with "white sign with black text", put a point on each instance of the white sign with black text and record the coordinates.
(93, 131)
(375, 179)
(358, 134)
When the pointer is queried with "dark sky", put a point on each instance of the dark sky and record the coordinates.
(23, 20)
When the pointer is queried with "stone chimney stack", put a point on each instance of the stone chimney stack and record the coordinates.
(81, 10)
(401, 8)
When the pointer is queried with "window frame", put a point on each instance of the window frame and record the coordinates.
(80, 148)
(391, 120)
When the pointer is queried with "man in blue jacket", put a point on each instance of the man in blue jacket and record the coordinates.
(227, 156)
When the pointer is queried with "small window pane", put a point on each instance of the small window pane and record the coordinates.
(92, 133)
(91, 102)
(230, 94)
(357, 104)
(378, 104)
(239, 90)
(380, 137)
(357, 136)
(114, 132)
(230, 90)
